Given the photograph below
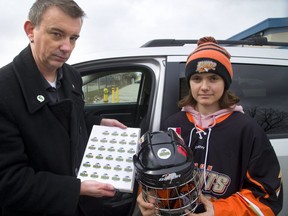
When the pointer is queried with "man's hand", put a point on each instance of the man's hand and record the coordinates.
(97, 189)
(112, 123)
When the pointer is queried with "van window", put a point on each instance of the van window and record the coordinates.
(120, 87)
(263, 93)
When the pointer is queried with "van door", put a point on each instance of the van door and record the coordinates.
(122, 89)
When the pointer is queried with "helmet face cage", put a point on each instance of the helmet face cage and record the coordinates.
(174, 201)
(166, 172)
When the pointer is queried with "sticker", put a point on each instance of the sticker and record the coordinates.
(164, 153)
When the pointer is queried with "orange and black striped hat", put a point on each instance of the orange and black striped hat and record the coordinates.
(209, 57)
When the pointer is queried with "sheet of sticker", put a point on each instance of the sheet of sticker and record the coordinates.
(109, 156)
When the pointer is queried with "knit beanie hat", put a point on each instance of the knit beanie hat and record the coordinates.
(209, 57)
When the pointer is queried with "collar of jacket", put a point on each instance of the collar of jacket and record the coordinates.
(31, 80)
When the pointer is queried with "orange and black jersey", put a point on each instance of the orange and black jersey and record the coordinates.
(240, 171)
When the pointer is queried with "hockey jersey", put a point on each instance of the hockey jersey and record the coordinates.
(239, 169)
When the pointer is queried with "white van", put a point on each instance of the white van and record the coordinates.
(145, 84)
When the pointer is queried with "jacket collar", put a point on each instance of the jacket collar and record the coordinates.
(31, 80)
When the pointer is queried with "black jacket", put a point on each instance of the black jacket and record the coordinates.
(41, 145)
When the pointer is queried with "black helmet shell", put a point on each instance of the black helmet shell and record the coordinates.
(163, 160)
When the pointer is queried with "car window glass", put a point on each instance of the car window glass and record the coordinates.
(263, 93)
(108, 88)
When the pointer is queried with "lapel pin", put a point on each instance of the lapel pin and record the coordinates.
(73, 86)
(40, 98)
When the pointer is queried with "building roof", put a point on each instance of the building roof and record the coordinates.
(262, 26)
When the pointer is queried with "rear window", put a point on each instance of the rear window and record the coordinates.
(263, 92)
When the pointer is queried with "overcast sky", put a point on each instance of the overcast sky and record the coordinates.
(121, 24)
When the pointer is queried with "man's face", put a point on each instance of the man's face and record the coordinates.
(54, 39)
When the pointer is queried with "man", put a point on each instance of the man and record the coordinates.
(43, 130)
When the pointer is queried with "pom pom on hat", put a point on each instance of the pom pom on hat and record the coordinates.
(209, 57)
